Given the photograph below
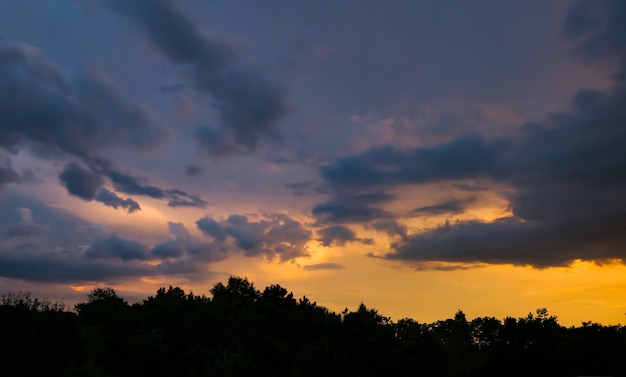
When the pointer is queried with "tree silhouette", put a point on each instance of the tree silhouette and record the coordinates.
(238, 330)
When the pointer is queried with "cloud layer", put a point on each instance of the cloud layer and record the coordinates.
(249, 104)
(566, 173)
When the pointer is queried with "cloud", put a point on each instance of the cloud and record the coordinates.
(339, 235)
(184, 244)
(48, 267)
(7, 173)
(598, 27)
(274, 235)
(179, 198)
(324, 266)
(391, 227)
(111, 199)
(26, 226)
(41, 108)
(345, 208)
(305, 188)
(81, 182)
(47, 244)
(465, 157)
(115, 247)
(130, 184)
(565, 172)
(193, 171)
(88, 185)
(250, 105)
(453, 207)
(512, 240)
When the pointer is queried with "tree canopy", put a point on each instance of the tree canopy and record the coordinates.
(239, 330)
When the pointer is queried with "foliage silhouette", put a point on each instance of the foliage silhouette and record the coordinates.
(239, 330)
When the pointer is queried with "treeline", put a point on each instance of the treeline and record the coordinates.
(241, 331)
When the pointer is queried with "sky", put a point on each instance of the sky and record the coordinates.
(421, 157)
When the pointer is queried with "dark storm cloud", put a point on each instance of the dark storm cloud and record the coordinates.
(452, 207)
(42, 108)
(567, 172)
(250, 104)
(272, 235)
(339, 235)
(352, 209)
(109, 198)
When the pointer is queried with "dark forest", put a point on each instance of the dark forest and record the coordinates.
(241, 331)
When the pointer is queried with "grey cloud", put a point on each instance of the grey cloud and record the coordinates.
(26, 227)
(336, 234)
(24, 230)
(566, 172)
(465, 157)
(57, 227)
(179, 198)
(250, 104)
(212, 228)
(40, 107)
(169, 249)
(115, 247)
(599, 28)
(184, 244)
(134, 185)
(7, 173)
(46, 244)
(512, 240)
(87, 185)
(81, 182)
(391, 227)
(339, 235)
(272, 235)
(193, 170)
(111, 199)
(352, 209)
(324, 266)
(453, 207)
(60, 269)
(306, 188)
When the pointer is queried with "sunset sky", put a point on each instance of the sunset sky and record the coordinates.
(420, 156)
